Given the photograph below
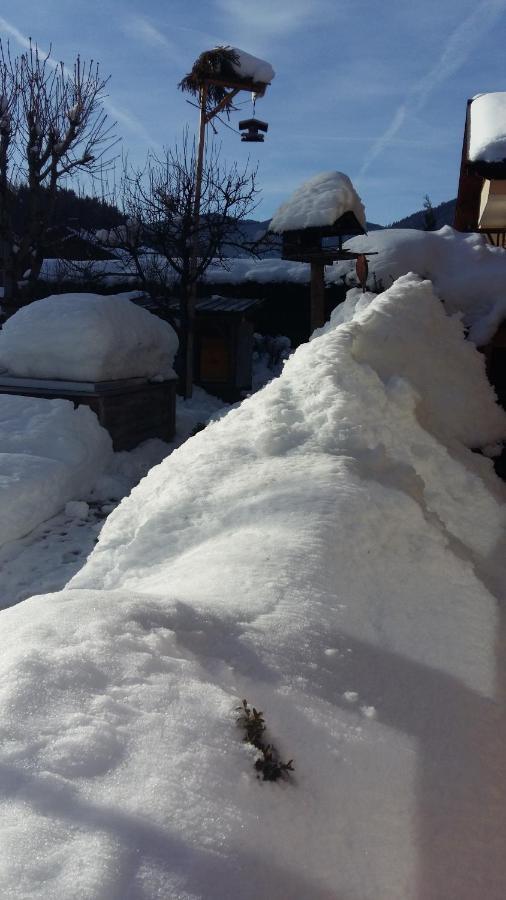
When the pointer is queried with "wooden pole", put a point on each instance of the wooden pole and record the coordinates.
(188, 330)
(317, 295)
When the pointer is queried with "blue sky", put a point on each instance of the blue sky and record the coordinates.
(374, 89)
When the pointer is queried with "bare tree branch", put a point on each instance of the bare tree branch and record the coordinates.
(52, 127)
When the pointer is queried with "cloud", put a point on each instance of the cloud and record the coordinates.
(457, 50)
(271, 18)
(121, 115)
(14, 33)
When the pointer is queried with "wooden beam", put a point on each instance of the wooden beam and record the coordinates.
(317, 295)
(222, 104)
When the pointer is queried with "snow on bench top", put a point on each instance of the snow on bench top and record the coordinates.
(87, 337)
(487, 141)
(319, 202)
(249, 66)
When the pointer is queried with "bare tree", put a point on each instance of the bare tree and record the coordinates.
(160, 230)
(52, 127)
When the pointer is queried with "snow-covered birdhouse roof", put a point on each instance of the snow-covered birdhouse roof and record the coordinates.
(321, 202)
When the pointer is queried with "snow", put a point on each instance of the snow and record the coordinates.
(49, 454)
(487, 139)
(86, 337)
(249, 66)
(468, 274)
(331, 551)
(318, 202)
(47, 557)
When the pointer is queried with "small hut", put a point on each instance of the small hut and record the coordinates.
(313, 223)
(223, 347)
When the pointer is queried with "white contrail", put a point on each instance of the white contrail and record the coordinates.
(122, 116)
(458, 47)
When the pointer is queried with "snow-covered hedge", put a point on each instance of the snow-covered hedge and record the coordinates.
(86, 337)
(50, 453)
(328, 551)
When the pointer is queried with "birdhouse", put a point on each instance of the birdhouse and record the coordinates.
(251, 129)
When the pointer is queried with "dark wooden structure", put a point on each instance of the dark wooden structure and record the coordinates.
(223, 348)
(251, 129)
(321, 246)
(480, 183)
(131, 410)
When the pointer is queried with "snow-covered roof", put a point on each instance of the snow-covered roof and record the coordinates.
(319, 202)
(487, 139)
(253, 67)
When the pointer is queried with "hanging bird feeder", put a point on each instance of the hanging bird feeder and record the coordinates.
(251, 129)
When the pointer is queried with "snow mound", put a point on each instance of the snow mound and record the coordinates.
(50, 453)
(469, 275)
(86, 337)
(326, 550)
(487, 139)
(249, 66)
(319, 202)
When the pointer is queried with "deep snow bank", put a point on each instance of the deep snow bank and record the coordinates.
(326, 550)
(86, 337)
(468, 274)
(49, 453)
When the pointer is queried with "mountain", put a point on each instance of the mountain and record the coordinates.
(444, 215)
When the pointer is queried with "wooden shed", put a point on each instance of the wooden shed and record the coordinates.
(223, 349)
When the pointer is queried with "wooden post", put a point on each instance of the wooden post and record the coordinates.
(317, 295)
(188, 330)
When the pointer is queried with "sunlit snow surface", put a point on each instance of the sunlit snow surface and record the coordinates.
(329, 550)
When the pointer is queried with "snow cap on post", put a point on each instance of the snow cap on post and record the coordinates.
(319, 203)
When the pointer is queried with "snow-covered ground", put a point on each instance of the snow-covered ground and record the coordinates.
(49, 453)
(330, 550)
(84, 493)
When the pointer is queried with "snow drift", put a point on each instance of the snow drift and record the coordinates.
(50, 453)
(469, 275)
(330, 551)
(86, 337)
